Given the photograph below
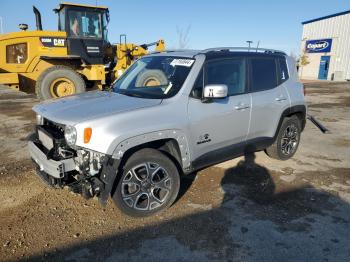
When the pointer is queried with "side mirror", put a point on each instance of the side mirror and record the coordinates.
(215, 91)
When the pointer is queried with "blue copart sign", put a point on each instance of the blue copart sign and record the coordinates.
(318, 46)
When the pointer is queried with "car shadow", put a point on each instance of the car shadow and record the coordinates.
(185, 184)
(253, 223)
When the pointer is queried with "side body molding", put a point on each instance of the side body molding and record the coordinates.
(176, 134)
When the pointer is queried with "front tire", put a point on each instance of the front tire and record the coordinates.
(58, 81)
(287, 140)
(149, 183)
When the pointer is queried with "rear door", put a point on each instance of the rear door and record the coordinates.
(269, 95)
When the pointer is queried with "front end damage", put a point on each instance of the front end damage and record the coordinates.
(59, 165)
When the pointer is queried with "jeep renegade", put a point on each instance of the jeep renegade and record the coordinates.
(170, 114)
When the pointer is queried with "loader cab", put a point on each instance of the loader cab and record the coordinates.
(86, 28)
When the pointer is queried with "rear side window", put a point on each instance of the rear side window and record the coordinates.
(17, 53)
(263, 74)
(230, 72)
(283, 72)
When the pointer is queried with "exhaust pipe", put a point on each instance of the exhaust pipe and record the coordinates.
(39, 26)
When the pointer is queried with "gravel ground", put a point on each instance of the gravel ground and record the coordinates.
(249, 209)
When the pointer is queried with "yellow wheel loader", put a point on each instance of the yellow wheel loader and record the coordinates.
(68, 61)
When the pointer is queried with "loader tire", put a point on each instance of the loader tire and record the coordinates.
(58, 81)
(151, 78)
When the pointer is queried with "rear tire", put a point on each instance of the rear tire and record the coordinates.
(149, 183)
(58, 81)
(287, 141)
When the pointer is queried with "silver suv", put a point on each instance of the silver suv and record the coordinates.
(170, 114)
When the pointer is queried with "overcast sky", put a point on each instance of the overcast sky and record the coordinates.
(276, 23)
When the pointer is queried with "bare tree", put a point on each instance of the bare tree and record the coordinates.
(303, 61)
(183, 37)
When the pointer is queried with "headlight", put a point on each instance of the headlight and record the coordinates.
(70, 134)
(39, 120)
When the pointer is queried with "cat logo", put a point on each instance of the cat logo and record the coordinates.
(53, 42)
(58, 42)
(211, 92)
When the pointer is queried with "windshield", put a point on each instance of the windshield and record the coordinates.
(85, 24)
(154, 77)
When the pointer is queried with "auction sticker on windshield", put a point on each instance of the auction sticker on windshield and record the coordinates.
(182, 62)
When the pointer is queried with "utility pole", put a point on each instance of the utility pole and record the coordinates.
(1, 26)
(249, 43)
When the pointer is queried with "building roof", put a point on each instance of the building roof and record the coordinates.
(325, 17)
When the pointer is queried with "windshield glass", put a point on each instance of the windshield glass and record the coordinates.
(154, 77)
(85, 24)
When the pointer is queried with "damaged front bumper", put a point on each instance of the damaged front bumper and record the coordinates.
(83, 171)
(53, 168)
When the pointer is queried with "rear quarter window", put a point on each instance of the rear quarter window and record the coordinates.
(263, 74)
(283, 70)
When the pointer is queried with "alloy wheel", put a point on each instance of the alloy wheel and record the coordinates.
(289, 140)
(146, 186)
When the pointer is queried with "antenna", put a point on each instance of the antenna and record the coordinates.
(257, 46)
(249, 43)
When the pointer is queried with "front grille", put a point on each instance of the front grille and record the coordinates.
(53, 141)
(57, 130)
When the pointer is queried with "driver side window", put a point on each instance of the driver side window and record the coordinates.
(230, 72)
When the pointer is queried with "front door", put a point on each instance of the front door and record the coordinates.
(220, 124)
(324, 66)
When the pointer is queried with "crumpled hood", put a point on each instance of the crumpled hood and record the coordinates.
(75, 109)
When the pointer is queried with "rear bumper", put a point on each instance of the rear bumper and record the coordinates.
(51, 167)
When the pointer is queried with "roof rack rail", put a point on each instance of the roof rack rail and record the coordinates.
(167, 51)
(251, 49)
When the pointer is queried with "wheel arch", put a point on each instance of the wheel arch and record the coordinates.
(171, 142)
(298, 110)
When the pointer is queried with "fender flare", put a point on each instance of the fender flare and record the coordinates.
(175, 134)
(290, 111)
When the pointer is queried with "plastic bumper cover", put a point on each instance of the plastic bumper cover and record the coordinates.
(51, 167)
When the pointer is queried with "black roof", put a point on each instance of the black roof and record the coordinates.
(325, 17)
(227, 53)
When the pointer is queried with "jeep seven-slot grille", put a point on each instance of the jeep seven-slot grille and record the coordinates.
(52, 134)
(56, 130)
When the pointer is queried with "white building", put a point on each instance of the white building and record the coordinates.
(326, 45)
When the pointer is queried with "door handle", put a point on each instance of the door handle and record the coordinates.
(241, 107)
(279, 99)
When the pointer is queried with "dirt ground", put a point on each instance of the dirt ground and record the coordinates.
(247, 209)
